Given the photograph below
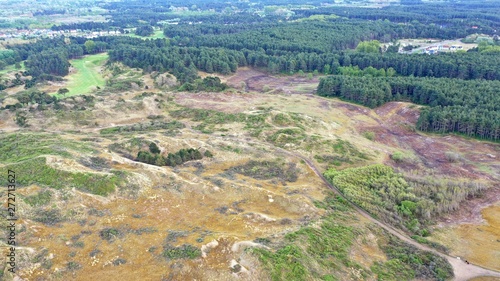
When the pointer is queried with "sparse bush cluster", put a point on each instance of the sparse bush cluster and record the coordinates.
(208, 116)
(325, 251)
(48, 216)
(212, 117)
(43, 258)
(332, 159)
(405, 262)
(207, 84)
(115, 85)
(287, 136)
(95, 163)
(39, 199)
(369, 135)
(401, 157)
(79, 102)
(72, 265)
(110, 234)
(173, 235)
(142, 230)
(118, 262)
(283, 119)
(21, 119)
(146, 126)
(154, 157)
(347, 149)
(452, 156)
(143, 95)
(343, 152)
(32, 97)
(266, 170)
(45, 101)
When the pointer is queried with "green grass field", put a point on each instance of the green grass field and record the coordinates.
(87, 76)
(156, 35)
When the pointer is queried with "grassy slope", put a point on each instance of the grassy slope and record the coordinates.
(20, 152)
(87, 76)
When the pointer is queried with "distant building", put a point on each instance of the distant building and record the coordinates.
(443, 47)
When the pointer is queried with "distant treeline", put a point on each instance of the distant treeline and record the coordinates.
(443, 20)
(83, 26)
(221, 42)
(47, 58)
(183, 61)
(133, 13)
(471, 65)
(470, 107)
(49, 12)
(305, 36)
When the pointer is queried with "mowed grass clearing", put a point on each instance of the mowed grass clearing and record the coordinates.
(156, 35)
(87, 76)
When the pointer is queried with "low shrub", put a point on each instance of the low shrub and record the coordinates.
(185, 251)
(48, 216)
(265, 170)
(110, 234)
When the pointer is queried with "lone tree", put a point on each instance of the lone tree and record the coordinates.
(63, 91)
(21, 119)
(89, 46)
(154, 148)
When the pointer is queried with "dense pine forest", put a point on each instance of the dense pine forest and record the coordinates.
(469, 107)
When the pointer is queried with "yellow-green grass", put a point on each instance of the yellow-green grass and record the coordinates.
(87, 75)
